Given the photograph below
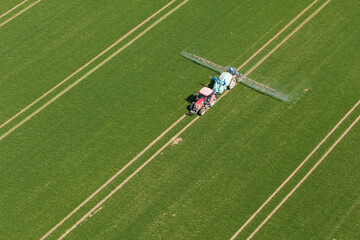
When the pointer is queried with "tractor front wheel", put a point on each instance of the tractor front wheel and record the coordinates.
(201, 111)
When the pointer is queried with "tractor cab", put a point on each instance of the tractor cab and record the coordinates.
(204, 93)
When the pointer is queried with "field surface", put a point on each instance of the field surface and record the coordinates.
(93, 95)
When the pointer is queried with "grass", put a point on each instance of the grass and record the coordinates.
(331, 211)
(56, 40)
(230, 160)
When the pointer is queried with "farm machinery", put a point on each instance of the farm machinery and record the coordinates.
(228, 78)
(205, 99)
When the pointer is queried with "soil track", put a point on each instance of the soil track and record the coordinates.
(304, 178)
(150, 159)
(295, 171)
(87, 64)
(289, 36)
(143, 151)
(12, 9)
(19, 13)
(127, 179)
(281, 31)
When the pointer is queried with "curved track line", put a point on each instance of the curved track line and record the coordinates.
(304, 178)
(294, 172)
(142, 152)
(87, 64)
(135, 172)
(19, 13)
(282, 30)
(6, 13)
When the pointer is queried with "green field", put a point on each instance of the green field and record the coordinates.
(228, 162)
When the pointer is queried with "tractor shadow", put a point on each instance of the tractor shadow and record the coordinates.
(190, 99)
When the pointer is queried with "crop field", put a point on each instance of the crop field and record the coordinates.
(95, 142)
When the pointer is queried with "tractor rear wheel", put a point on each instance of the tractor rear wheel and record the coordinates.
(201, 111)
(191, 106)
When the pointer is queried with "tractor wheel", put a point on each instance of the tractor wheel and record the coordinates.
(191, 106)
(232, 84)
(201, 111)
(212, 102)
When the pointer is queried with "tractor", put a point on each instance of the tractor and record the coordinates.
(205, 99)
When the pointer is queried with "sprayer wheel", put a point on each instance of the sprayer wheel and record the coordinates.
(232, 84)
(213, 101)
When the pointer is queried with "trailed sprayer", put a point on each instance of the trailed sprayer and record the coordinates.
(228, 78)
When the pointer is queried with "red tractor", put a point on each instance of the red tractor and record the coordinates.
(205, 99)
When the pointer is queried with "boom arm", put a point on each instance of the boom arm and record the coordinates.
(259, 87)
(202, 61)
(240, 78)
